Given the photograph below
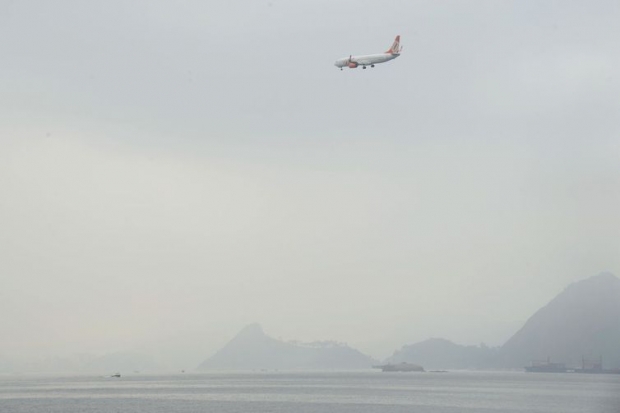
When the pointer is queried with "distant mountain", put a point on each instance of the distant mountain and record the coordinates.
(252, 349)
(438, 353)
(582, 321)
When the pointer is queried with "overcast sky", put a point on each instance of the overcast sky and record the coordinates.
(172, 171)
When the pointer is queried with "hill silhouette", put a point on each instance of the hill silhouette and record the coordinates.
(582, 321)
(439, 353)
(252, 349)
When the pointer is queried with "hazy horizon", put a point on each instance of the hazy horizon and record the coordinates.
(170, 173)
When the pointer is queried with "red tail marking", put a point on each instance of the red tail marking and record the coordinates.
(395, 49)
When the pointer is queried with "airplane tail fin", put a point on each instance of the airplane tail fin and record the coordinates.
(396, 47)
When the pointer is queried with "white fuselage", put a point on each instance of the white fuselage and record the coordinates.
(365, 60)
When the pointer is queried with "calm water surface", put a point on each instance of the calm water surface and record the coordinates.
(314, 392)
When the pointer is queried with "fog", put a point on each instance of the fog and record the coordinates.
(171, 172)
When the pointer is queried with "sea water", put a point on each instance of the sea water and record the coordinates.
(362, 392)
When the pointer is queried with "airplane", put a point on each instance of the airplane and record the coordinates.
(371, 59)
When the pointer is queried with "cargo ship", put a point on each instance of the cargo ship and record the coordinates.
(595, 367)
(546, 367)
(587, 367)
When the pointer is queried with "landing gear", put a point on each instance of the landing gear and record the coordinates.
(372, 65)
(363, 67)
(340, 68)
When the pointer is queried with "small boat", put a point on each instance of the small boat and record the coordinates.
(116, 375)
